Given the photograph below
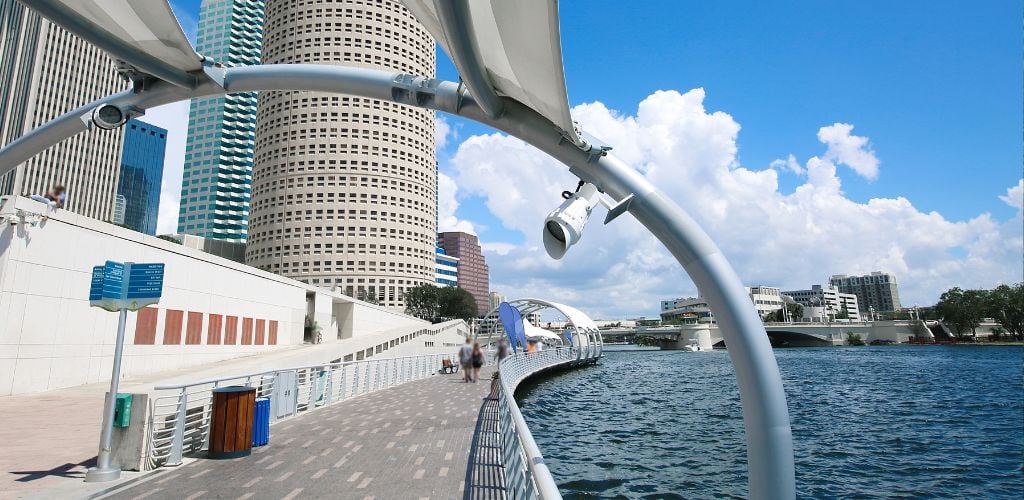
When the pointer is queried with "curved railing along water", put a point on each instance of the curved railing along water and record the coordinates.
(526, 475)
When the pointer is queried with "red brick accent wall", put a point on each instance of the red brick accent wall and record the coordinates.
(231, 330)
(246, 331)
(260, 331)
(145, 325)
(214, 328)
(272, 340)
(172, 326)
(194, 328)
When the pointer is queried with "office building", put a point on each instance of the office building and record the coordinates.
(876, 292)
(766, 299)
(830, 299)
(494, 299)
(447, 269)
(217, 178)
(142, 170)
(474, 277)
(45, 72)
(344, 189)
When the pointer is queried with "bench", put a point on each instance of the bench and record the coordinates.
(448, 367)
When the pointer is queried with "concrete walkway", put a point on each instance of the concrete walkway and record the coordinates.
(416, 440)
(48, 440)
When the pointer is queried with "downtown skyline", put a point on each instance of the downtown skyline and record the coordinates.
(846, 156)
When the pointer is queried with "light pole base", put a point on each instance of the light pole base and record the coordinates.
(97, 475)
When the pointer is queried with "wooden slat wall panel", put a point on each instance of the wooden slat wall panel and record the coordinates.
(246, 331)
(231, 330)
(213, 330)
(145, 326)
(260, 331)
(272, 336)
(194, 328)
(172, 326)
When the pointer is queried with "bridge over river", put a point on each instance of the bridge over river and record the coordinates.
(786, 334)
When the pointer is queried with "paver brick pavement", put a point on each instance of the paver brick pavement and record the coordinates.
(409, 441)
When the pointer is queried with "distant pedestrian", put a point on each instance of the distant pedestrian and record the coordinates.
(502, 350)
(531, 347)
(466, 360)
(56, 196)
(478, 360)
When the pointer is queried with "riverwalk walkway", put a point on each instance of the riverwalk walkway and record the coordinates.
(415, 440)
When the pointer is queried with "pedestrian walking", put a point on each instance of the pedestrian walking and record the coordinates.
(466, 360)
(502, 350)
(478, 360)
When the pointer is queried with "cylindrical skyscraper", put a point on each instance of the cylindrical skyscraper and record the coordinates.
(344, 188)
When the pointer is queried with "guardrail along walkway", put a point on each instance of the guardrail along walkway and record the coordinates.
(410, 441)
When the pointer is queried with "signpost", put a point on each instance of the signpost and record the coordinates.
(119, 287)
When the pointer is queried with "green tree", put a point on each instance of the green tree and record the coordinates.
(456, 303)
(843, 313)
(796, 311)
(963, 309)
(440, 304)
(422, 302)
(1005, 304)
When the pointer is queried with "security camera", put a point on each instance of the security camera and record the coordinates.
(109, 117)
(563, 227)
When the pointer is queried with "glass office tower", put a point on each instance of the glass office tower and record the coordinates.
(142, 170)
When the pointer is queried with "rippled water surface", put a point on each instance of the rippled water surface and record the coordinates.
(915, 421)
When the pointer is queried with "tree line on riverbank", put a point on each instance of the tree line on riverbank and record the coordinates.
(438, 304)
(964, 310)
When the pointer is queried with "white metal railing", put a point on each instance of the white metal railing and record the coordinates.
(526, 474)
(180, 416)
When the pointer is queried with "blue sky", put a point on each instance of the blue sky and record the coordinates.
(931, 89)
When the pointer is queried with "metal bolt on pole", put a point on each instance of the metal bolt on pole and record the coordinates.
(104, 471)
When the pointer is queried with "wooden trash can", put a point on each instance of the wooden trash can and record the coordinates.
(231, 422)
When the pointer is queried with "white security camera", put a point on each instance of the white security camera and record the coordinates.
(563, 227)
(109, 117)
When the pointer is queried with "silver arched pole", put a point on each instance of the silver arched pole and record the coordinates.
(769, 439)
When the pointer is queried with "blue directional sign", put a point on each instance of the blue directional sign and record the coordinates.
(126, 286)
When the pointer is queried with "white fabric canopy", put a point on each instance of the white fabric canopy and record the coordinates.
(520, 45)
(535, 333)
(148, 26)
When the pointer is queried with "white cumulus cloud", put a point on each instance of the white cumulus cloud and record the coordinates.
(447, 204)
(1015, 196)
(174, 118)
(786, 240)
(850, 150)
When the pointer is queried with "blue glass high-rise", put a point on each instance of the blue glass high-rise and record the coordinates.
(142, 169)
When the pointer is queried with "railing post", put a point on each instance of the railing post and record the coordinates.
(344, 387)
(329, 387)
(312, 380)
(178, 439)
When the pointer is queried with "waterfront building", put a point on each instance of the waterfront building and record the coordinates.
(217, 177)
(766, 299)
(474, 276)
(344, 190)
(829, 299)
(142, 170)
(447, 269)
(44, 72)
(877, 291)
(685, 308)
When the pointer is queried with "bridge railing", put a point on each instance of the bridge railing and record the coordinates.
(526, 474)
(180, 414)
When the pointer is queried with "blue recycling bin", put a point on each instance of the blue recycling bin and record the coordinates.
(261, 422)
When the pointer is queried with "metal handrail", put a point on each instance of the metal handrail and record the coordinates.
(526, 474)
(180, 422)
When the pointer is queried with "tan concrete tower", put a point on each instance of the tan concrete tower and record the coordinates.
(344, 188)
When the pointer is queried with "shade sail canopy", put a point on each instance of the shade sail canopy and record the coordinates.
(515, 45)
(143, 34)
(535, 333)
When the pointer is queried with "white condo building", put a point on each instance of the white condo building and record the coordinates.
(446, 270)
(829, 298)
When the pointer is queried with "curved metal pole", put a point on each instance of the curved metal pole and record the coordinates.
(765, 415)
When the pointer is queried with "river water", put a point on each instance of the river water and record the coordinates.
(913, 421)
